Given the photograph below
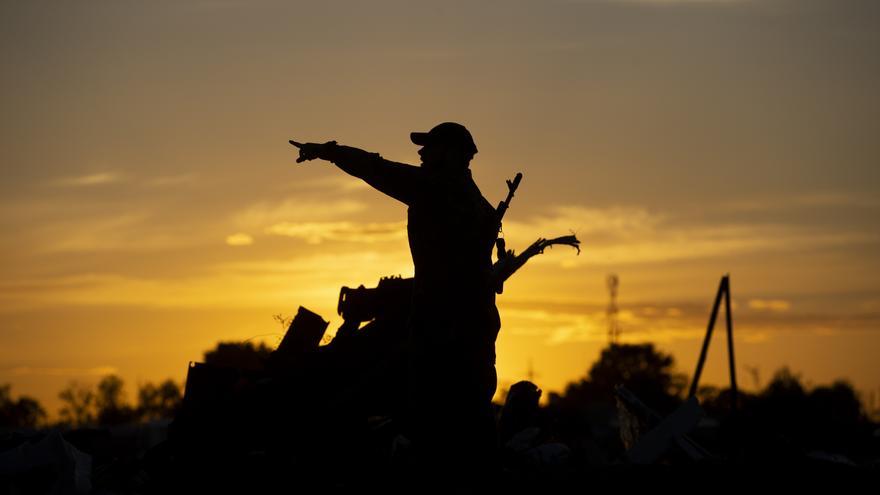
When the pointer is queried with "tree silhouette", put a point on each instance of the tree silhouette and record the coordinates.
(787, 420)
(586, 414)
(22, 413)
(157, 402)
(838, 418)
(641, 368)
(112, 408)
(827, 418)
(107, 405)
(79, 405)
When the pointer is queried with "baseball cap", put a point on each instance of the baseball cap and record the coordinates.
(447, 133)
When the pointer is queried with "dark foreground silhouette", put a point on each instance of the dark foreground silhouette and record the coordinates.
(786, 432)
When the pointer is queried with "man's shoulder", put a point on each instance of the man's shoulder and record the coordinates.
(480, 200)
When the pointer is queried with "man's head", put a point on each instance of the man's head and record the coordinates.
(447, 146)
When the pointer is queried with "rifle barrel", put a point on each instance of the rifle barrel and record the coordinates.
(512, 185)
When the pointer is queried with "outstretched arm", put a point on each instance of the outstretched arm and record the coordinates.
(400, 181)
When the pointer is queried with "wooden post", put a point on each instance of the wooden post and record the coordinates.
(708, 338)
(733, 389)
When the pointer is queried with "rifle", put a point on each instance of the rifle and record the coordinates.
(512, 185)
(508, 262)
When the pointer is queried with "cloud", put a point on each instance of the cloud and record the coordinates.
(590, 326)
(318, 232)
(332, 264)
(558, 327)
(310, 280)
(239, 239)
(800, 201)
(172, 180)
(99, 179)
(682, 321)
(560, 220)
(106, 178)
(264, 214)
(769, 305)
(35, 371)
(634, 235)
(136, 232)
(870, 306)
(330, 183)
(755, 337)
(826, 332)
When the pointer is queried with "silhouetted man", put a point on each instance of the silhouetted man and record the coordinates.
(454, 321)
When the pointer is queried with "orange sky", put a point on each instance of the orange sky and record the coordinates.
(153, 207)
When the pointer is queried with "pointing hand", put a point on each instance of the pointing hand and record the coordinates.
(310, 151)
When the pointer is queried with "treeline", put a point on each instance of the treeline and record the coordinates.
(785, 416)
(105, 404)
(24, 412)
(783, 420)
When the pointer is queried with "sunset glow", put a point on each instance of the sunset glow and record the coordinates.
(152, 206)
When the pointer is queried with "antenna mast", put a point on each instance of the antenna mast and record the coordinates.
(613, 323)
